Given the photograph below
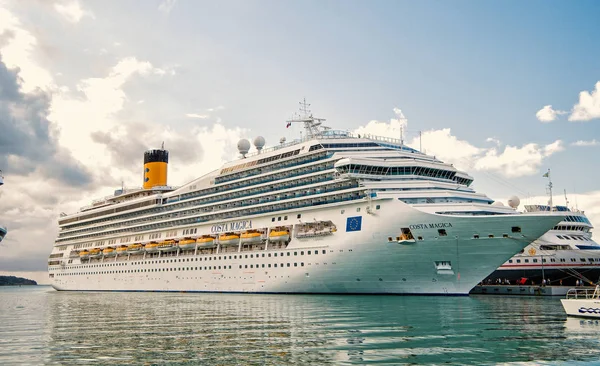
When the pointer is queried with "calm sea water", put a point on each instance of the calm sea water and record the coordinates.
(41, 326)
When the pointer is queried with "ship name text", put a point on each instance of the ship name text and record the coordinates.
(231, 226)
(438, 225)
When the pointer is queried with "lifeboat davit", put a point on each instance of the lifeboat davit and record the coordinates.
(251, 236)
(167, 246)
(107, 252)
(84, 254)
(277, 235)
(135, 248)
(122, 250)
(229, 239)
(151, 247)
(206, 241)
(187, 244)
(95, 253)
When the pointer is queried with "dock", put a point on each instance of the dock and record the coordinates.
(522, 290)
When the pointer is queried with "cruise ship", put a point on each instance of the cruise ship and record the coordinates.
(563, 255)
(332, 212)
(3, 230)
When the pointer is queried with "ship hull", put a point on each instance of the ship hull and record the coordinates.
(359, 258)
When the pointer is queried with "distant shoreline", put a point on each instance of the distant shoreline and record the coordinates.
(16, 281)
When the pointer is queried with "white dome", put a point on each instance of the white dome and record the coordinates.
(243, 146)
(259, 142)
(514, 202)
(498, 203)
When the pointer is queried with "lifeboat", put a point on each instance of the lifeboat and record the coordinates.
(135, 248)
(229, 239)
(74, 254)
(107, 252)
(187, 244)
(151, 247)
(251, 236)
(167, 246)
(206, 241)
(95, 253)
(84, 254)
(279, 235)
(122, 250)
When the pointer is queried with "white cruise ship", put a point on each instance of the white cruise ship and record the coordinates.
(333, 212)
(563, 255)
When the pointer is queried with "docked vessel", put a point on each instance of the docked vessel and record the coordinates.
(333, 212)
(3, 230)
(564, 255)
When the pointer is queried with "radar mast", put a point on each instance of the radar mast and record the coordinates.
(312, 125)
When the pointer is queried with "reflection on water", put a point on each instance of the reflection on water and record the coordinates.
(41, 326)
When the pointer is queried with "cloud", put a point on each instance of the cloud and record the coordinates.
(493, 140)
(72, 11)
(585, 143)
(389, 129)
(547, 114)
(166, 6)
(27, 138)
(588, 107)
(195, 115)
(510, 161)
(17, 46)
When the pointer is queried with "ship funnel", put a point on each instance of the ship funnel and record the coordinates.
(155, 168)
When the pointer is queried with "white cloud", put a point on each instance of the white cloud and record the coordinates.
(493, 140)
(72, 11)
(196, 115)
(510, 161)
(389, 129)
(166, 6)
(593, 142)
(18, 52)
(548, 114)
(588, 107)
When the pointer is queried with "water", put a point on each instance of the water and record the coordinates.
(41, 326)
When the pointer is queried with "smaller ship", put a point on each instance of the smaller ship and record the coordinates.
(583, 302)
(3, 229)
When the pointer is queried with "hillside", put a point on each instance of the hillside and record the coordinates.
(14, 281)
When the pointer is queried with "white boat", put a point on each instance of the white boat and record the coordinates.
(583, 302)
(348, 196)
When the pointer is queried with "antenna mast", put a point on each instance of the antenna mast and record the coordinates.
(547, 175)
(566, 199)
(312, 125)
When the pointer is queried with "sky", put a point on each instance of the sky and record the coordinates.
(504, 91)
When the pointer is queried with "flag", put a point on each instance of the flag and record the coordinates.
(288, 124)
(354, 223)
(546, 175)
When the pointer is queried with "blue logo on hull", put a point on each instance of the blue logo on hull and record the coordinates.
(354, 223)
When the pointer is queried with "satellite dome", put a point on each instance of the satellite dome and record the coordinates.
(514, 202)
(243, 146)
(498, 203)
(259, 142)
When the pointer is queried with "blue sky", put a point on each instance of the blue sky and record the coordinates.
(120, 77)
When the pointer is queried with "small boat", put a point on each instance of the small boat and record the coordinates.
(251, 236)
(95, 253)
(135, 248)
(206, 241)
(107, 252)
(582, 302)
(84, 254)
(167, 246)
(74, 254)
(122, 250)
(151, 247)
(279, 235)
(229, 239)
(187, 244)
